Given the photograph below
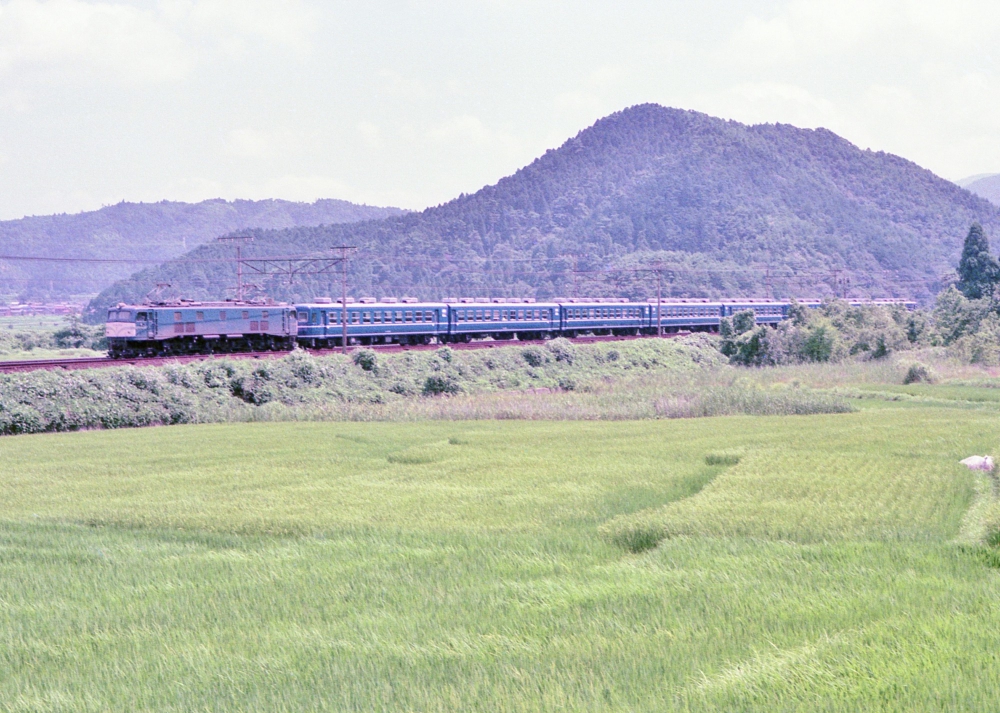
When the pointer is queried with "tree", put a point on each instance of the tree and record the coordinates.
(978, 270)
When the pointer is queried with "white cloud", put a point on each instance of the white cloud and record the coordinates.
(235, 24)
(124, 42)
(257, 144)
(113, 40)
(371, 135)
(914, 77)
(468, 131)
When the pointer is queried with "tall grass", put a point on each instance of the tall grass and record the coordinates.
(454, 566)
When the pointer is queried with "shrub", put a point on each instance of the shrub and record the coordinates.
(918, 374)
(533, 356)
(436, 384)
(820, 343)
(367, 359)
(562, 349)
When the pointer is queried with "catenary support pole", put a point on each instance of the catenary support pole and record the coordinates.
(343, 299)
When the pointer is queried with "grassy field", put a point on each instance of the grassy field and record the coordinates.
(821, 563)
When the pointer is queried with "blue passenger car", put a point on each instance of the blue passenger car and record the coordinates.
(765, 311)
(603, 317)
(676, 315)
(504, 319)
(371, 322)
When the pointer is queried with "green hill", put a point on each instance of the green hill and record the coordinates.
(729, 208)
(141, 231)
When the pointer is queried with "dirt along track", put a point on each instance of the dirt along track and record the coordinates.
(101, 362)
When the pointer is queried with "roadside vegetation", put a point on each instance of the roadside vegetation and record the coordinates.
(682, 377)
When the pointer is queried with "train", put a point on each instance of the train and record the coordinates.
(188, 327)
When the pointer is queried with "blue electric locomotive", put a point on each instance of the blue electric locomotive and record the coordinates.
(188, 327)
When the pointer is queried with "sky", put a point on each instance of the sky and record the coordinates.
(412, 102)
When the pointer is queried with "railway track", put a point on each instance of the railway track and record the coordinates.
(102, 362)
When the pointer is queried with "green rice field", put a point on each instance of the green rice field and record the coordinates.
(835, 562)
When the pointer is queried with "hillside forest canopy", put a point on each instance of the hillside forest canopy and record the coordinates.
(720, 207)
(147, 232)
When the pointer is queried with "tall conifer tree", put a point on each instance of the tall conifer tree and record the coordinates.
(978, 270)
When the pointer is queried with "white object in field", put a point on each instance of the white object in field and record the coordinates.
(978, 463)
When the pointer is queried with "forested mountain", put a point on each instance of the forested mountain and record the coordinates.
(987, 187)
(723, 207)
(144, 231)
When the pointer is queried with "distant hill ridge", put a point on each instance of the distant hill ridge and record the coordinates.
(730, 207)
(987, 187)
(155, 231)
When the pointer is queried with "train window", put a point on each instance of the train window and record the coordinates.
(140, 317)
(366, 317)
(179, 328)
(199, 315)
(189, 327)
(178, 316)
(246, 315)
(377, 317)
(222, 316)
(254, 326)
(520, 314)
(264, 314)
(354, 317)
(263, 326)
(409, 316)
